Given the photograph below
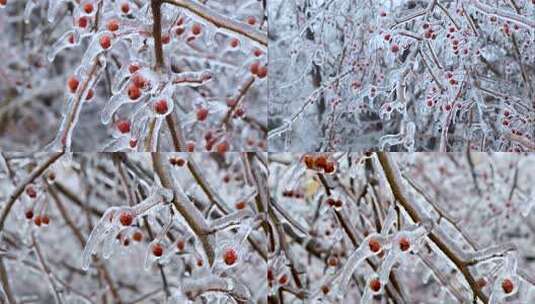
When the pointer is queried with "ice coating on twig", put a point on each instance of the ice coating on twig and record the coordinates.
(116, 219)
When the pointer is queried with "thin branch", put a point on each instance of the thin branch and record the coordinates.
(20, 188)
(221, 21)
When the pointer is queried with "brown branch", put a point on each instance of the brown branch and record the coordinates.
(20, 188)
(157, 32)
(184, 206)
(393, 176)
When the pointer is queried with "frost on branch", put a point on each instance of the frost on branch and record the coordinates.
(402, 75)
(208, 59)
(118, 219)
(127, 227)
(400, 227)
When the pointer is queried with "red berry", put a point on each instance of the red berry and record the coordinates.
(72, 83)
(258, 52)
(133, 67)
(31, 191)
(332, 261)
(139, 81)
(375, 285)
(190, 146)
(179, 30)
(375, 246)
(29, 214)
(88, 8)
(196, 29)
(82, 22)
(330, 201)
(161, 107)
(320, 161)
(45, 219)
(123, 126)
(133, 92)
(137, 236)
(262, 71)
(222, 147)
(90, 94)
(234, 42)
(507, 286)
(329, 167)
(126, 218)
(251, 20)
(230, 256)
(105, 42)
(180, 162)
(166, 39)
(125, 8)
(202, 113)
(71, 39)
(113, 25)
(239, 112)
(481, 282)
(283, 280)
(240, 205)
(404, 244)
(309, 161)
(157, 250)
(388, 37)
(180, 244)
(3, 2)
(132, 143)
(325, 289)
(37, 220)
(254, 67)
(394, 48)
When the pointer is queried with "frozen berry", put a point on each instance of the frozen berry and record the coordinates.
(90, 94)
(404, 244)
(88, 8)
(125, 8)
(196, 29)
(161, 107)
(133, 67)
(254, 67)
(112, 25)
(375, 246)
(222, 147)
(202, 113)
(72, 84)
(29, 214)
(157, 250)
(126, 218)
(230, 256)
(123, 126)
(82, 22)
(180, 244)
(133, 92)
(507, 286)
(30, 190)
(262, 71)
(105, 42)
(375, 285)
(137, 236)
(240, 205)
(37, 220)
(234, 42)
